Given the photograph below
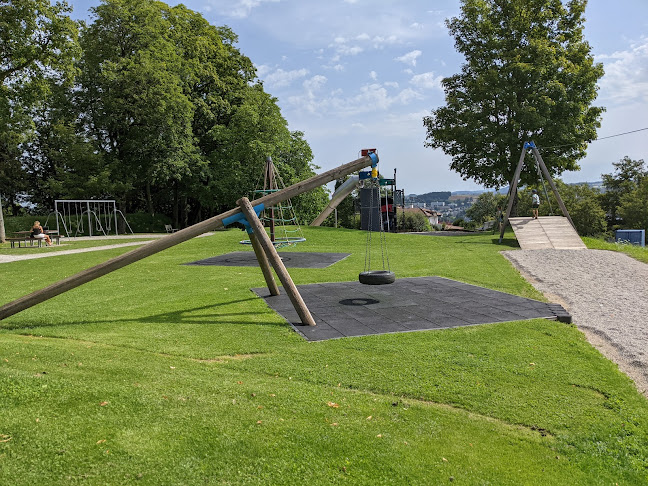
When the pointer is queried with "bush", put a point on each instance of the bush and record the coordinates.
(415, 221)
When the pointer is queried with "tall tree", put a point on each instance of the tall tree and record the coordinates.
(625, 179)
(38, 44)
(528, 75)
(133, 97)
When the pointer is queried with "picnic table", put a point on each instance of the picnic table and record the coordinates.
(25, 237)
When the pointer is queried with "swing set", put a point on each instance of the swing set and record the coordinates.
(541, 169)
(91, 217)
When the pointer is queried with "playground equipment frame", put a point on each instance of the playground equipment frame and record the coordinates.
(181, 236)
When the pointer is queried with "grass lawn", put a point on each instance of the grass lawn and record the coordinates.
(66, 244)
(162, 373)
(637, 252)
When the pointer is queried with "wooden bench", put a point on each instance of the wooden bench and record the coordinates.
(28, 239)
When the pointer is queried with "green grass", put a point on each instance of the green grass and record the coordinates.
(637, 252)
(162, 373)
(66, 244)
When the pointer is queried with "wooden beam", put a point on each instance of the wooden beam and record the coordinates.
(264, 264)
(176, 238)
(275, 261)
(547, 175)
(512, 192)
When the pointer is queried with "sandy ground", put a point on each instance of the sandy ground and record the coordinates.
(606, 293)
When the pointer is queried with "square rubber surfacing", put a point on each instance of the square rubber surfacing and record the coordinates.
(346, 309)
(291, 259)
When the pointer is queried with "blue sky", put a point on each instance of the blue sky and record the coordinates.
(355, 74)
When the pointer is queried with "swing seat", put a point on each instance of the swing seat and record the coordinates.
(377, 277)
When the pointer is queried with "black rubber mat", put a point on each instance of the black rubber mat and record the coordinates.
(291, 259)
(346, 309)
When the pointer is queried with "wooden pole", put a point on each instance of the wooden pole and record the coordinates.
(264, 264)
(269, 187)
(512, 192)
(176, 238)
(275, 261)
(545, 171)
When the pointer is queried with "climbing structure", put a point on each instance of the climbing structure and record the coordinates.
(281, 218)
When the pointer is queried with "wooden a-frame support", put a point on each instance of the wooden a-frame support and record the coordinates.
(516, 179)
(178, 237)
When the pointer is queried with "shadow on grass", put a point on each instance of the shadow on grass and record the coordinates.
(195, 315)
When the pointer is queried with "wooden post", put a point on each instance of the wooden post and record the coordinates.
(545, 171)
(275, 261)
(176, 238)
(264, 264)
(512, 192)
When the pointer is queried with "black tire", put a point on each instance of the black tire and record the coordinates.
(377, 277)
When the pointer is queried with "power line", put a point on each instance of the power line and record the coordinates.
(597, 139)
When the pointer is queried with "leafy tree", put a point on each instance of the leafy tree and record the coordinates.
(633, 206)
(528, 75)
(37, 48)
(625, 179)
(485, 208)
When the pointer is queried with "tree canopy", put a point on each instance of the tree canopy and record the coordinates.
(152, 106)
(528, 76)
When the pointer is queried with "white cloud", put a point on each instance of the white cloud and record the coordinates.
(426, 81)
(369, 98)
(409, 58)
(281, 78)
(243, 8)
(373, 75)
(392, 84)
(626, 74)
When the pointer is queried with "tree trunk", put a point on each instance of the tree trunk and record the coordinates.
(176, 204)
(149, 199)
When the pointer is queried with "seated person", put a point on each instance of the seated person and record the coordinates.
(38, 233)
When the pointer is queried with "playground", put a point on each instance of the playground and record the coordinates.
(164, 369)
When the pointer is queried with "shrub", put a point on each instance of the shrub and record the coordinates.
(415, 221)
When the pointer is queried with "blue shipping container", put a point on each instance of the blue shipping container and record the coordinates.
(636, 237)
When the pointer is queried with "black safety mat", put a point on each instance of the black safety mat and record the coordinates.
(346, 309)
(291, 259)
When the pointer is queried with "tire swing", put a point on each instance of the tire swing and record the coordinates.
(385, 275)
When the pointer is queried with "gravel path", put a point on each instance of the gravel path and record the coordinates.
(606, 293)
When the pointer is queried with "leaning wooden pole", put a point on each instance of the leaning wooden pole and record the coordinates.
(275, 260)
(512, 192)
(266, 269)
(173, 239)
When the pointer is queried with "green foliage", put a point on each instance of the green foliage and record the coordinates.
(98, 381)
(38, 44)
(528, 75)
(625, 179)
(633, 207)
(485, 208)
(582, 202)
(166, 115)
(414, 221)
